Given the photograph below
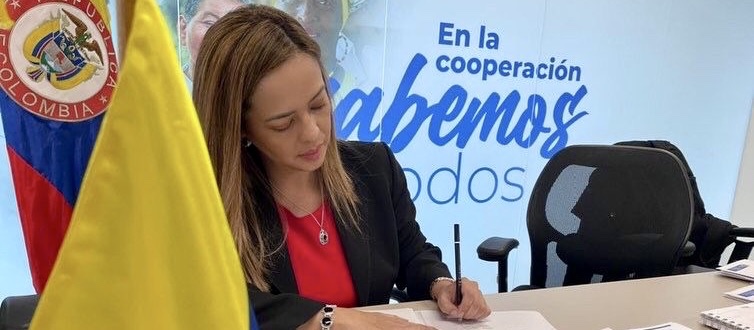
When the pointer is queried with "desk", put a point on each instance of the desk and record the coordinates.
(618, 305)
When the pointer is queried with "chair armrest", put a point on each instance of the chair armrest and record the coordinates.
(742, 232)
(688, 249)
(496, 248)
(741, 249)
(16, 311)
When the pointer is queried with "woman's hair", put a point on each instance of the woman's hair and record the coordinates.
(237, 52)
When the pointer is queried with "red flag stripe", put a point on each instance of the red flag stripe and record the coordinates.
(44, 216)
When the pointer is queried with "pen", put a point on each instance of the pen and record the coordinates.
(457, 243)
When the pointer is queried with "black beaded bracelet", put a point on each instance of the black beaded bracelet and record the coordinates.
(327, 317)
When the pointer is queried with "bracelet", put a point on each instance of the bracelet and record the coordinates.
(431, 285)
(327, 317)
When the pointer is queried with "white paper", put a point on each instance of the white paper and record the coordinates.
(665, 326)
(745, 294)
(742, 269)
(733, 317)
(501, 320)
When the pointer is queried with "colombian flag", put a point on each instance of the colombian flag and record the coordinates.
(58, 72)
(148, 245)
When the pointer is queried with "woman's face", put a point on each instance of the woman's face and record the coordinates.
(291, 117)
(322, 19)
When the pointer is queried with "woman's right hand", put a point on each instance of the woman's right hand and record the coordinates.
(348, 318)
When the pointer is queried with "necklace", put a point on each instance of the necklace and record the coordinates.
(324, 237)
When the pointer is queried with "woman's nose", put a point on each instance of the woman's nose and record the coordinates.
(310, 128)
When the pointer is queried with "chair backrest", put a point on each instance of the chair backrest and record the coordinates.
(604, 212)
(711, 235)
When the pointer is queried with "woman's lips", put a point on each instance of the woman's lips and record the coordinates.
(312, 154)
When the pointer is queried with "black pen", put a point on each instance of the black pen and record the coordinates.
(457, 239)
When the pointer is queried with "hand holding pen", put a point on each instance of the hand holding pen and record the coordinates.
(460, 298)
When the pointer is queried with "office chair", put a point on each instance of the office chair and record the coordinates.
(396, 294)
(16, 312)
(602, 213)
(710, 236)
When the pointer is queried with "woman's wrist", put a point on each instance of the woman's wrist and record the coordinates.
(328, 317)
(437, 283)
(316, 321)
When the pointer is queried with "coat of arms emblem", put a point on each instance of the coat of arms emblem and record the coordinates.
(57, 59)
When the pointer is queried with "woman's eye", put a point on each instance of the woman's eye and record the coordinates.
(283, 127)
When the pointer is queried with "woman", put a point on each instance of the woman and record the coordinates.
(317, 222)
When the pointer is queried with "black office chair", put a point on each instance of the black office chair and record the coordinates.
(16, 312)
(602, 213)
(397, 295)
(710, 236)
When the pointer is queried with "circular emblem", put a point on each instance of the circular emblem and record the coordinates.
(57, 60)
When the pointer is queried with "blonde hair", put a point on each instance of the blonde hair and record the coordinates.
(237, 52)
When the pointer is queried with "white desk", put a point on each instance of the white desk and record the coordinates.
(618, 305)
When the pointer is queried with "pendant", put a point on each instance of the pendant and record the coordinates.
(323, 237)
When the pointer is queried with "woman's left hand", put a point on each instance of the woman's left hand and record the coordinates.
(472, 307)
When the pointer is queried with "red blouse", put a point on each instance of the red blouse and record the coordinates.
(321, 271)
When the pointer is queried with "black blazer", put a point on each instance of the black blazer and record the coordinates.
(391, 251)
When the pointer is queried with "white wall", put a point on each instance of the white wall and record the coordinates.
(743, 208)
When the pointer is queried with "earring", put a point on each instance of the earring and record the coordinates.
(246, 143)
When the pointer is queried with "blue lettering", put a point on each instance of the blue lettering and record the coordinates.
(445, 34)
(334, 85)
(455, 97)
(402, 102)
(505, 67)
(440, 60)
(535, 113)
(412, 110)
(481, 36)
(456, 176)
(541, 67)
(513, 184)
(559, 139)
(494, 189)
(488, 114)
(362, 118)
(457, 64)
(413, 172)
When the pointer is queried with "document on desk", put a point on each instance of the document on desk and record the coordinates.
(742, 269)
(503, 320)
(730, 318)
(745, 294)
(664, 326)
